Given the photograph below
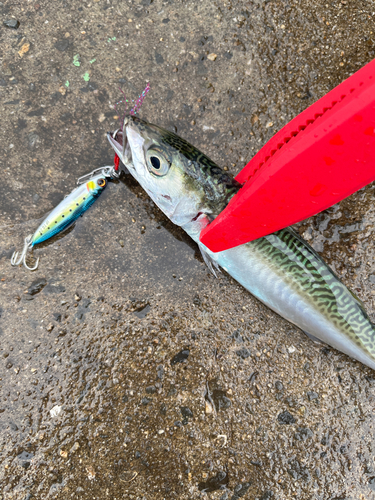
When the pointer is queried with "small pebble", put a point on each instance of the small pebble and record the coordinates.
(37, 286)
(208, 408)
(75, 447)
(62, 45)
(55, 411)
(212, 57)
(312, 395)
(24, 49)
(302, 410)
(279, 386)
(12, 23)
(90, 472)
(33, 138)
(243, 353)
(186, 412)
(286, 418)
(181, 356)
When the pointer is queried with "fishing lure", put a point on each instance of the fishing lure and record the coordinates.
(67, 212)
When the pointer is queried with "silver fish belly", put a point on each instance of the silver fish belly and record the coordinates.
(287, 275)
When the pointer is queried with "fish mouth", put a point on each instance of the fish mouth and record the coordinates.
(120, 144)
(116, 140)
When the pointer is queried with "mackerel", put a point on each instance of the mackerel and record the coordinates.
(280, 269)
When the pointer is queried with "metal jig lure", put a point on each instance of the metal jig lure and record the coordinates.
(89, 188)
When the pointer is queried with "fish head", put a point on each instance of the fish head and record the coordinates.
(181, 180)
(96, 184)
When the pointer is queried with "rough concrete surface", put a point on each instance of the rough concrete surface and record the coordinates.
(128, 371)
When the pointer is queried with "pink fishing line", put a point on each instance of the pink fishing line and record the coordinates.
(137, 105)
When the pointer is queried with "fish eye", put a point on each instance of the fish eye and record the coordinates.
(101, 182)
(157, 164)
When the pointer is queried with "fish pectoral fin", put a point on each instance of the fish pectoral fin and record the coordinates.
(210, 262)
(314, 339)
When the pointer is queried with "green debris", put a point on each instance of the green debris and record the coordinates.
(67, 83)
(92, 61)
(86, 76)
(113, 39)
(76, 60)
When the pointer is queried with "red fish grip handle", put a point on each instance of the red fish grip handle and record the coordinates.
(292, 134)
(320, 157)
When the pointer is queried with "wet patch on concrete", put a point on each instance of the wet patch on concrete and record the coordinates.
(91, 403)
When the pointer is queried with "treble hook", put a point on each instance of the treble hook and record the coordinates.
(22, 259)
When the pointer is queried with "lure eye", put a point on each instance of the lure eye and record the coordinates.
(157, 163)
(101, 182)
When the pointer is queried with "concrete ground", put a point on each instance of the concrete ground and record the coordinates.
(124, 367)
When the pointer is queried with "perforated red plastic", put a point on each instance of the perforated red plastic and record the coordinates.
(320, 157)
